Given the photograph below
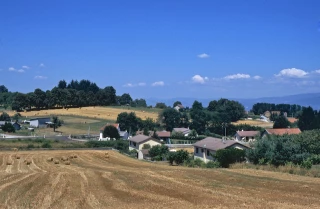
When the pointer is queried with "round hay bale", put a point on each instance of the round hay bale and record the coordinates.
(67, 163)
(17, 157)
(63, 158)
(56, 162)
(50, 159)
(71, 157)
(9, 162)
(28, 161)
(75, 156)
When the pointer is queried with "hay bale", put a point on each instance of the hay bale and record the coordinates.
(9, 162)
(63, 158)
(56, 162)
(28, 161)
(67, 163)
(18, 157)
(50, 159)
(71, 157)
(75, 156)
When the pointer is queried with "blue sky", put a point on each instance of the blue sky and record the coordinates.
(164, 49)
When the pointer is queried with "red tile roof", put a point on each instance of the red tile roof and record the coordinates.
(292, 120)
(283, 131)
(248, 133)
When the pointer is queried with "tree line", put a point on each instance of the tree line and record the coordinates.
(290, 109)
(67, 95)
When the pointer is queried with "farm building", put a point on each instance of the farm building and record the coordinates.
(162, 135)
(39, 122)
(281, 131)
(184, 131)
(137, 142)
(204, 148)
(246, 136)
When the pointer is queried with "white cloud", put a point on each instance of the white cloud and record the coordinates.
(199, 79)
(12, 69)
(20, 71)
(128, 85)
(237, 76)
(142, 84)
(317, 71)
(292, 72)
(256, 77)
(204, 55)
(25, 67)
(40, 77)
(158, 83)
(41, 65)
(134, 85)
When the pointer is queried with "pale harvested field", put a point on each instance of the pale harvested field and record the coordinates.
(108, 113)
(92, 181)
(255, 123)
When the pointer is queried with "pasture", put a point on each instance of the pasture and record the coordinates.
(92, 179)
(259, 123)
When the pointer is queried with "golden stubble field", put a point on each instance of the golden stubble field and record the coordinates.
(108, 113)
(94, 181)
(255, 123)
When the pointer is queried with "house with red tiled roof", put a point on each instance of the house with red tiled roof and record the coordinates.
(123, 134)
(205, 148)
(281, 131)
(246, 136)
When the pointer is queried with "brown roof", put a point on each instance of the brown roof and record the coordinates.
(216, 144)
(292, 120)
(283, 131)
(161, 134)
(142, 138)
(116, 125)
(248, 133)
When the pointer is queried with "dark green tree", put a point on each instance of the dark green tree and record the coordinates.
(8, 127)
(176, 103)
(39, 98)
(5, 117)
(3, 89)
(161, 105)
(125, 99)
(307, 119)
(281, 122)
(128, 122)
(170, 118)
(62, 84)
(158, 152)
(111, 132)
(229, 156)
(56, 122)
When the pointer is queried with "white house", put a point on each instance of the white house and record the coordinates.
(39, 122)
(246, 136)
(137, 143)
(204, 148)
(123, 134)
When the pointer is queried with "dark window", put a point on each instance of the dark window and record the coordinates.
(197, 150)
(202, 150)
(208, 153)
(134, 144)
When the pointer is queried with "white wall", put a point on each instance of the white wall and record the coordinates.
(203, 155)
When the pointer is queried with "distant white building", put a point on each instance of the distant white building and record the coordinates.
(184, 131)
(246, 136)
(39, 122)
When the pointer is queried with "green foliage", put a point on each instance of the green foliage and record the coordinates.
(170, 118)
(307, 164)
(225, 157)
(125, 99)
(46, 145)
(213, 164)
(178, 157)
(120, 145)
(260, 108)
(161, 105)
(30, 146)
(56, 122)
(111, 132)
(8, 127)
(128, 122)
(4, 117)
(281, 122)
(16, 116)
(309, 119)
(158, 152)
(176, 103)
(138, 103)
(3, 89)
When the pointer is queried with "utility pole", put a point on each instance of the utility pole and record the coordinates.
(224, 125)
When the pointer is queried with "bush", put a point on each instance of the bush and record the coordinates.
(30, 146)
(178, 157)
(228, 156)
(213, 164)
(8, 127)
(46, 145)
(307, 164)
(146, 146)
(158, 152)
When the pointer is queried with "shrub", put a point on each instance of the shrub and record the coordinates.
(146, 146)
(158, 152)
(213, 164)
(307, 164)
(228, 156)
(30, 146)
(46, 145)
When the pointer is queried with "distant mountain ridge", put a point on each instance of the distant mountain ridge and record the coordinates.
(308, 99)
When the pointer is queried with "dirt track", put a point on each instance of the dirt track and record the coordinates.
(93, 181)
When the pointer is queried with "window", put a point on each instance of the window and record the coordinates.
(130, 142)
(134, 144)
(208, 153)
(197, 150)
(202, 150)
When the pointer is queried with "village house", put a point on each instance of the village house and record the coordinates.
(281, 131)
(39, 122)
(204, 148)
(137, 143)
(184, 131)
(123, 134)
(246, 136)
(161, 135)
